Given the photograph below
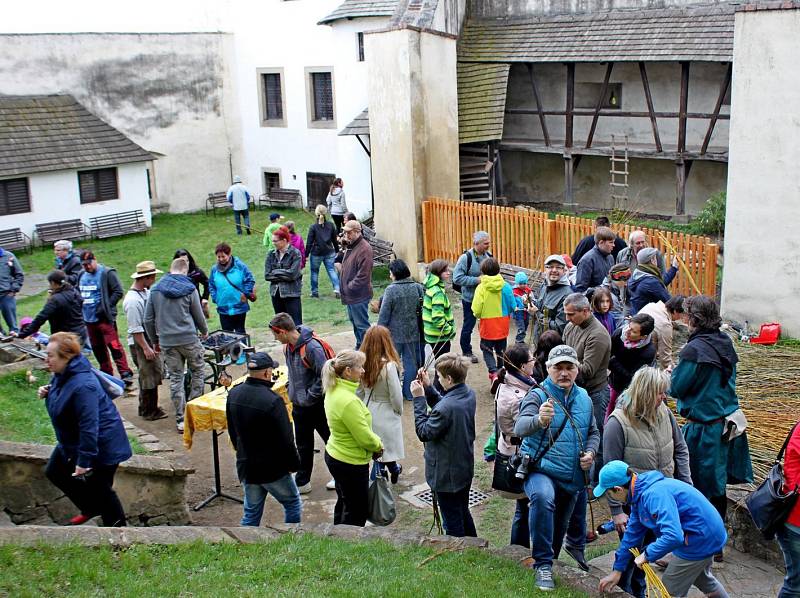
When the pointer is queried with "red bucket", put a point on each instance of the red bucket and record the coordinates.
(768, 335)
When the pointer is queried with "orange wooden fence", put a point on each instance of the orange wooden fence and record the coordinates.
(526, 237)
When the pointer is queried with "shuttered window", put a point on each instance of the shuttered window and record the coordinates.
(322, 89)
(98, 185)
(273, 102)
(14, 197)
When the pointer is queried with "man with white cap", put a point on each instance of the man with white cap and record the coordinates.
(139, 345)
(239, 197)
(647, 285)
(684, 522)
(560, 439)
(548, 306)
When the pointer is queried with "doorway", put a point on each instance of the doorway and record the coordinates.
(317, 186)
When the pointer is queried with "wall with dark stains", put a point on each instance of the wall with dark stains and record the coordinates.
(173, 94)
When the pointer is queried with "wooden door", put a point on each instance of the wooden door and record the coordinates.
(317, 186)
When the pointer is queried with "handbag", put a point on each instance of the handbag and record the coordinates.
(251, 297)
(768, 504)
(381, 509)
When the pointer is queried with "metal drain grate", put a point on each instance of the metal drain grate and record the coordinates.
(476, 497)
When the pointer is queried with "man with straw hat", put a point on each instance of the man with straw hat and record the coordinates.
(682, 519)
(140, 347)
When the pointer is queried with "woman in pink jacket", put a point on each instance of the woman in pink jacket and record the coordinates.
(297, 242)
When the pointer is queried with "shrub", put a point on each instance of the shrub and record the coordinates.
(711, 219)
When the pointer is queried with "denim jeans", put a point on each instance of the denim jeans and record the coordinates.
(789, 541)
(359, 317)
(412, 361)
(8, 307)
(576, 530)
(548, 514)
(520, 533)
(316, 261)
(237, 216)
(492, 350)
(284, 491)
(456, 518)
(466, 328)
(521, 319)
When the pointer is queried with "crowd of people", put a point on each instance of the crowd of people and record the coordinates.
(580, 396)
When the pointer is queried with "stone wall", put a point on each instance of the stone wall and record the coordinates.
(151, 488)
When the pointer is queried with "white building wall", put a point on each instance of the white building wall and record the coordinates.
(55, 196)
(762, 254)
(296, 42)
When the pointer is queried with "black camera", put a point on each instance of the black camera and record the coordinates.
(521, 463)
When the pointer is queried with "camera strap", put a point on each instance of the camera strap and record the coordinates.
(550, 444)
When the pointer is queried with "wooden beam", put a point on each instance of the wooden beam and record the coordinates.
(684, 103)
(723, 89)
(569, 172)
(624, 113)
(650, 109)
(682, 168)
(599, 105)
(570, 107)
(539, 110)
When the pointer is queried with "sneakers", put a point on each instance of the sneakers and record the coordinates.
(395, 474)
(578, 555)
(472, 358)
(314, 295)
(159, 413)
(544, 578)
(79, 519)
(128, 381)
(180, 427)
(305, 488)
(331, 485)
(492, 377)
(337, 294)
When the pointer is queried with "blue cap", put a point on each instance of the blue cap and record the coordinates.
(520, 278)
(614, 473)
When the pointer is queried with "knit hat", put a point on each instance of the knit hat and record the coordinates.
(520, 278)
(645, 255)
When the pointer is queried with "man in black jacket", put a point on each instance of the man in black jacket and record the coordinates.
(101, 291)
(67, 261)
(261, 434)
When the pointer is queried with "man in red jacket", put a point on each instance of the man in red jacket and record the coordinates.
(355, 283)
(789, 533)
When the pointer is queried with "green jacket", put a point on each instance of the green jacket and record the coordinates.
(438, 324)
(268, 235)
(352, 439)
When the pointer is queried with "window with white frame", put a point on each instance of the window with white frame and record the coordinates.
(271, 97)
(320, 103)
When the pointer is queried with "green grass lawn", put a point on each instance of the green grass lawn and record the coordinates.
(23, 417)
(200, 234)
(301, 565)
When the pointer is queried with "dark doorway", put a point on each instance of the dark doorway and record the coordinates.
(318, 184)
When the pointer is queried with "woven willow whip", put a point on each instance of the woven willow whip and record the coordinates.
(655, 587)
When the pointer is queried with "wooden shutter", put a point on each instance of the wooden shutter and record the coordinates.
(107, 183)
(14, 197)
(87, 186)
(323, 96)
(272, 96)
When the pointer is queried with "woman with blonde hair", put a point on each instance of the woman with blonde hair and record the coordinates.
(352, 443)
(382, 393)
(643, 432)
(321, 248)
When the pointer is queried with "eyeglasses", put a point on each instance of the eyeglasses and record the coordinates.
(555, 267)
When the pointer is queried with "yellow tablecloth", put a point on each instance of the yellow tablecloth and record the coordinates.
(207, 412)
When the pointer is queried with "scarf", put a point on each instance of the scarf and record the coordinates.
(714, 348)
(642, 342)
(607, 320)
(652, 271)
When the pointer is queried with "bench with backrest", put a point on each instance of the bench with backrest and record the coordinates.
(509, 271)
(13, 239)
(69, 230)
(219, 199)
(383, 250)
(277, 196)
(115, 225)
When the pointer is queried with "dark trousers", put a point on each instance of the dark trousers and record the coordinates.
(94, 495)
(290, 305)
(233, 323)
(104, 338)
(338, 221)
(467, 327)
(352, 488)
(456, 518)
(492, 351)
(307, 420)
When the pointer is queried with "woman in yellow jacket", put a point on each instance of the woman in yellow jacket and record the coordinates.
(352, 443)
(493, 304)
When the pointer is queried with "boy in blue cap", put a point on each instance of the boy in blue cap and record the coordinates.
(522, 293)
(683, 520)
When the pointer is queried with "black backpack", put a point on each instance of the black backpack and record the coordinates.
(457, 287)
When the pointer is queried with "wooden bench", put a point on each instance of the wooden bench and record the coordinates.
(69, 230)
(115, 225)
(276, 196)
(383, 251)
(219, 199)
(14, 238)
(509, 271)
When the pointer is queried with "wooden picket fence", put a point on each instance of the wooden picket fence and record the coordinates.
(525, 238)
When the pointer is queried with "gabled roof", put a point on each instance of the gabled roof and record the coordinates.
(55, 132)
(358, 126)
(352, 9)
(704, 34)
(481, 101)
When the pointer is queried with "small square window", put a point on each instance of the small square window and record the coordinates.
(98, 185)
(15, 197)
(360, 46)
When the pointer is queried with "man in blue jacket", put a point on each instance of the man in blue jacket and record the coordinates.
(239, 197)
(467, 274)
(648, 285)
(683, 520)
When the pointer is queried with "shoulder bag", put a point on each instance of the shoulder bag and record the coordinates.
(381, 509)
(251, 297)
(768, 504)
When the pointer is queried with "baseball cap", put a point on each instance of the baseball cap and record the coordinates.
(560, 354)
(86, 257)
(555, 258)
(260, 361)
(613, 473)
(275, 216)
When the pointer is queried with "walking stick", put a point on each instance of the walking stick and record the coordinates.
(682, 264)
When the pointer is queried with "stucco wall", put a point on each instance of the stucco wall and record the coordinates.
(413, 129)
(522, 8)
(55, 196)
(763, 190)
(170, 93)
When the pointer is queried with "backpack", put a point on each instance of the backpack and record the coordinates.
(326, 347)
(457, 287)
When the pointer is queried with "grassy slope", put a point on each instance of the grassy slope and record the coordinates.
(291, 566)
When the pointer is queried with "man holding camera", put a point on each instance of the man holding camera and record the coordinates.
(560, 438)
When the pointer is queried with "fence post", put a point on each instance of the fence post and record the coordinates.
(551, 237)
(711, 270)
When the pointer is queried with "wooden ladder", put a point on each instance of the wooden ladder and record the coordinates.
(619, 168)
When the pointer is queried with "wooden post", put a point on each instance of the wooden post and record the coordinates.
(599, 105)
(551, 236)
(539, 109)
(570, 107)
(710, 279)
(569, 192)
(682, 168)
(650, 109)
(684, 103)
(723, 89)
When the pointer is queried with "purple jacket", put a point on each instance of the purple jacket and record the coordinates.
(297, 242)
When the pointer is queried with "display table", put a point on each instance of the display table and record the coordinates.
(207, 413)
